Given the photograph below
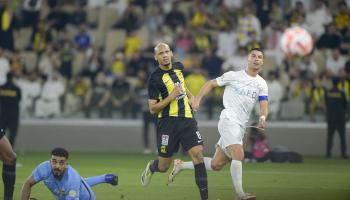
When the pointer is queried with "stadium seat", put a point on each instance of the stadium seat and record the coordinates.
(284, 79)
(23, 40)
(78, 62)
(320, 60)
(98, 37)
(92, 16)
(30, 59)
(270, 64)
(292, 110)
(115, 39)
(143, 33)
(186, 7)
(108, 17)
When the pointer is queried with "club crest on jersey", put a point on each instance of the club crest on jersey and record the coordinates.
(165, 140)
(72, 193)
(62, 192)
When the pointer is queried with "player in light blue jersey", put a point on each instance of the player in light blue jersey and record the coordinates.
(64, 182)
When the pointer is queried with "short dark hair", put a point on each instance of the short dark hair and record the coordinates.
(256, 49)
(61, 152)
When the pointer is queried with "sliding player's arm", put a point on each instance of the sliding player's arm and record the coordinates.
(39, 173)
(27, 188)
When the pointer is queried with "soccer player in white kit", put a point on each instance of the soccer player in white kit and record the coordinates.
(242, 89)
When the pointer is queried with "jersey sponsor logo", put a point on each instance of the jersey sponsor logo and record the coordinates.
(181, 96)
(165, 140)
(245, 92)
(72, 193)
(8, 93)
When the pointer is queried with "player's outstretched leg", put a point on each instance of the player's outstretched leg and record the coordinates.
(147, 174)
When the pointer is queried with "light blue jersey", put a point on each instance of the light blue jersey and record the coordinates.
(71, 187)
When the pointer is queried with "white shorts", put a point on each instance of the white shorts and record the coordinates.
(231, 133)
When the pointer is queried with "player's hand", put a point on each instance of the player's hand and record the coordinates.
(262, 122)
(195, 104)
(177, 91)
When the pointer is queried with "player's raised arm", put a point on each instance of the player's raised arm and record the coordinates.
(27, 188)
(206, 88)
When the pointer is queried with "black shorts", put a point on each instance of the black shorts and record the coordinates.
(10, 122)
(173, 131)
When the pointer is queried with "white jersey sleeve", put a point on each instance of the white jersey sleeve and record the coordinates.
(226, 78)
(263, 95)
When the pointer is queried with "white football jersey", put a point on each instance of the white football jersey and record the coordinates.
(240, 95)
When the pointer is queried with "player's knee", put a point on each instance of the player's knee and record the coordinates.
(197, 158)
(216, 167)
(163, 168)
(10, 159)
(237, 156)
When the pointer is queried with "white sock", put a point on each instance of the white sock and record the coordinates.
(207, 162)
(236, 174)
(189, 164)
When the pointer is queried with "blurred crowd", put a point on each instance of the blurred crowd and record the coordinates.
(91, 58)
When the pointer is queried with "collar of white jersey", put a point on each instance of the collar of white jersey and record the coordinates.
(246, 73)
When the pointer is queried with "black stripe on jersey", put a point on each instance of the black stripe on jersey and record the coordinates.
(165, 94)
(180, 102)
(87, 188)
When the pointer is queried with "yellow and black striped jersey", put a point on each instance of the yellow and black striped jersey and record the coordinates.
(161, 83)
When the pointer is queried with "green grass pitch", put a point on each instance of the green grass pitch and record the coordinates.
(317, 179)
